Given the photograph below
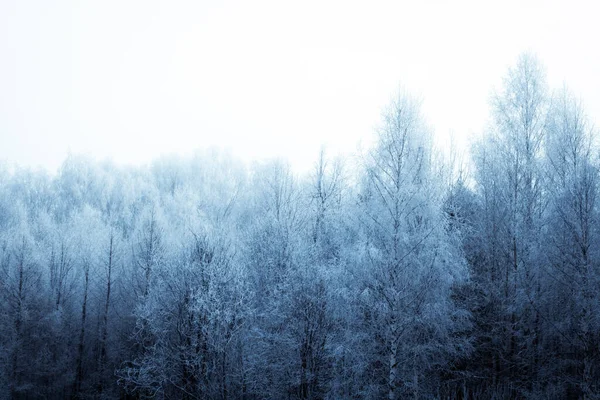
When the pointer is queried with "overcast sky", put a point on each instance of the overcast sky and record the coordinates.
(131, 80)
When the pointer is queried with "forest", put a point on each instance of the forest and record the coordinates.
(392, 273)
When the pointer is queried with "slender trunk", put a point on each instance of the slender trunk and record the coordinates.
(243, 369)
(513, 317)
(16, 376)
(149, 256)
(104, 333)
(303, 374)
(393, 375)
(53, 274)
(60, 277)
(317, 227)
(587, 376)
(224, 390)
(415, 380)
(80, 348)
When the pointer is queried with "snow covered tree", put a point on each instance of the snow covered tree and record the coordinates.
(408, 263)
(570, 300)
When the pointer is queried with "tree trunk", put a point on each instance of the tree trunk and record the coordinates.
(104, 333)
(80, 348)
(16, 376)
(393, 375)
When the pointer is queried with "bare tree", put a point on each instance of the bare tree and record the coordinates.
(570, 245)
(411, 263)
(326, 192)
(109, 263)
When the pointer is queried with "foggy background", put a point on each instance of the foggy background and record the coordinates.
(132, 80)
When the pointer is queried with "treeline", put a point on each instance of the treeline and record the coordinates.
(384, 277)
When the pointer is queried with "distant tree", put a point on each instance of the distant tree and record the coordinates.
(149, 251)
(327, 185)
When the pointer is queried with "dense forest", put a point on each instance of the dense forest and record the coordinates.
(390, 274)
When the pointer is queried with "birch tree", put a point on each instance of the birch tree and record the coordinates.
(571, 300)
(410, 262)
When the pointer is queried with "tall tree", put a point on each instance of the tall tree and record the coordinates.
(571, 301)
(511, 187)
(410, 263)
(110, 259)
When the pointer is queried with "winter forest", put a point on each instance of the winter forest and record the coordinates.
(392, 273)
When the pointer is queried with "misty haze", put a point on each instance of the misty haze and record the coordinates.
(321, 201)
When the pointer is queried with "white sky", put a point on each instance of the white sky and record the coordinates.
(131, 80)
